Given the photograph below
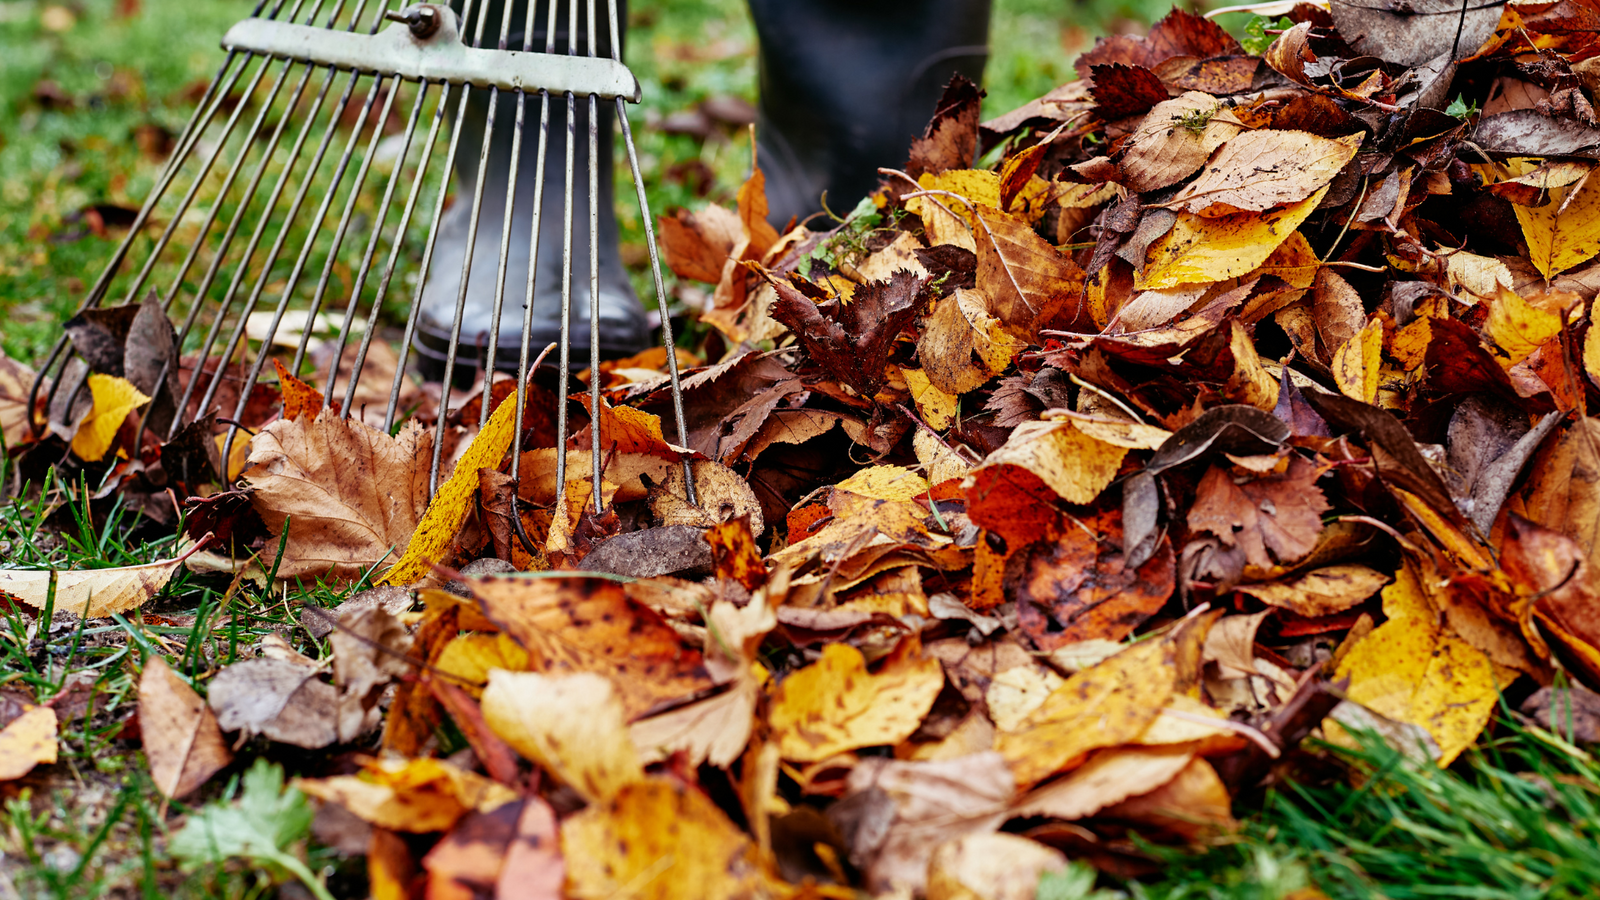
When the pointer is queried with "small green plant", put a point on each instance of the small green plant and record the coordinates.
(259, 826)
(1075, 882)
(1195, 121)
(1257, 39)
(1460, 108)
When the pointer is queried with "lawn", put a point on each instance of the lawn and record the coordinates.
(91, 93)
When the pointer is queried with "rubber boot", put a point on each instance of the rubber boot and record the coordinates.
(623, 326)
(847, 85)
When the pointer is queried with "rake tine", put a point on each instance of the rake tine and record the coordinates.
(466, 264)
(282, 236)
(655, 269)
(533, 243)
(594, 279)
(492, 358)
(260, 231)
(311, 236)
(197, 123)
(222, 193)
(566, 275)
(361, 277)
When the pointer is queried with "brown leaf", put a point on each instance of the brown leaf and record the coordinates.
(16, 380)
(370, 649)
(282, 699)
(352, 495)
(1079, 587)
(468, 859)
(1122, 90)
(697, 245)
(180, 735)
(1164, 150)
(415, 796)
(951, 139)
(918, 806)
(1028, 282)
(590, 625)
(1110, 776)
(734, 555)
(1276, 518)
(1551, 568)
(299, 398)
(1321, 592)
(851, 341)
(1259, 170)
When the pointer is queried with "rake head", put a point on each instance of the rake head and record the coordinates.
(258, 202)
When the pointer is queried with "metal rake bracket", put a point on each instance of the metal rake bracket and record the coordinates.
(252, 178)
(427, 45)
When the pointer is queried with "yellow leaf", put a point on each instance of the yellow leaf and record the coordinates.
(1320, 592)
(1106, 704)
(1294, 261)
(980, 187)
(1564, 232)
(1518, 327)
(114, 398)
(1073, 464)
(962, 345)
(835, 704)
(939, 462)
(661, 840)
(1201, 249)
(885, 483)
(416, 795)
(938, 407)
(1413, 668)
(572, 725)
(1356, 364)
(450, 506)
(1480, 276)
(469, 657)
(29, 739)
(91, 593)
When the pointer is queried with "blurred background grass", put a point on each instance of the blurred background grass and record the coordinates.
(91, 91)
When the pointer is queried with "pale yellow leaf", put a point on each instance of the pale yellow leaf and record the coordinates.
(1071, 463)
(937, 406)
(885, 483)
(835, 704)
(1564, 232)
(1357, 364)
(27, 741)
(91, 593)
(1518, 327)
(572, 725)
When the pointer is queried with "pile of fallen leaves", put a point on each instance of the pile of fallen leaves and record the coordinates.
(1040, 509)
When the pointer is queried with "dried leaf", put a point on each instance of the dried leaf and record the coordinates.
(351, 495)
(1356, 363)
(1079, 587)
(962, 345)
(1207, 249)
(27, 741)
(836, 705)
(181, 739)
(415, 796)
(572, 725)
(279, 698)
(1164, 150)
(90, 593)
(1027, 282)
(1564, 232)
(438, 525)
(660, 840)
(1110, 776)
(16, 380)
(577, 624)
(1259, 170)
(1320, 592)
(114, 398)
(1068, 461)
(990, 867)
(1415, 669)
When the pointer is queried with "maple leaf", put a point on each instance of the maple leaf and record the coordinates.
(851, 341)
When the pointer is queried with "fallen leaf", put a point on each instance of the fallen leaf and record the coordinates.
(1517, 327)
(1271, 519)
(299, 398)
(836, 705)
(1193, 805)
(281, 699)
(114, 398)
(1207, 249)
(27, 741)
(16, 380)
(990, 867)
(572, 725)
(962, 345)
(851, 340)
(1067, 460)
(1414, 669)
(1165, 150)
(1320, 592)
(428, 536)
(1104, 705)
(577, 624)
(1564, 232)
(1110, 776)
(91, 593)
(181, 740)
(1258, 170)
(1356, 363)
(903, 811)
(660, 840)
(370, 648)
(348, 494)
(1027, 282)
(414, 796)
